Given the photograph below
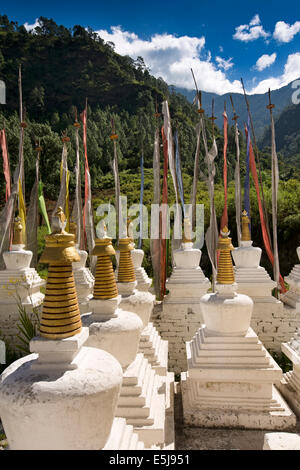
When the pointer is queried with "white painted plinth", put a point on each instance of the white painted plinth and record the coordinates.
(292, 296)
(84, 282)
(143, 401)
(123, 437)
(143, 281)
(141, 303)
(187, 283)
(113, 329)
(252, 279)
(67, 406)
(290, 383)
(230, 383)
(154, 349)
(151, 344)
(18, 284)
(281, 441)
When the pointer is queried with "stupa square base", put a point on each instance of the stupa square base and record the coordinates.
(123, 437)
(142, 401)
(289, 385)
(154, 349)
(230, 383)
(291, 298)
(290, 393)
(225, 412)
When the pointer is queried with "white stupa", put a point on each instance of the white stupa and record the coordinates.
(231, 376)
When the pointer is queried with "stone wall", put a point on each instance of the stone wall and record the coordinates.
(177, 328)
(275, 325)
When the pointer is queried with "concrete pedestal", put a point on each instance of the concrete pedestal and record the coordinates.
(63, 396)
(290, 383)
(18, 284)
(84, 282)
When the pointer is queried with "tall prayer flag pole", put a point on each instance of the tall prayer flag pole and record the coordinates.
(275, 181)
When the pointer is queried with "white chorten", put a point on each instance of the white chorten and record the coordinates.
(231, 376)
(290, 383)
(19, 283)
(292, 296)
(187, 282)
(118, 331)
(252, 279)
(63, 395)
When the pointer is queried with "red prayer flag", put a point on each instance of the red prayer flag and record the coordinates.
(261, 213)
(6, 170)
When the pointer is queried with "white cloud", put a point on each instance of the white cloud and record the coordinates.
(255, 20)
(172, 58)
(223, 63)
(284, 32)
(251, 31)
(291, 72)
(29, 27)
(265, 61)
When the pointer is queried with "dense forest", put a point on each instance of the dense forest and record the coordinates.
(61, 68)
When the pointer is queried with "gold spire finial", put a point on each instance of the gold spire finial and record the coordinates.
(18, 232)
(225, 269)
(105, 286)
(246, 236)
(126, 269)
(60, 316)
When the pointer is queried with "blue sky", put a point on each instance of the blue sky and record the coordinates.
(222, 41)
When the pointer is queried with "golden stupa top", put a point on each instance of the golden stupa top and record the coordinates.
(60, 245)
(103, 246)
(224, 240)
(225, 273)
(125, 244)
(246, 236)
(18, 232)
